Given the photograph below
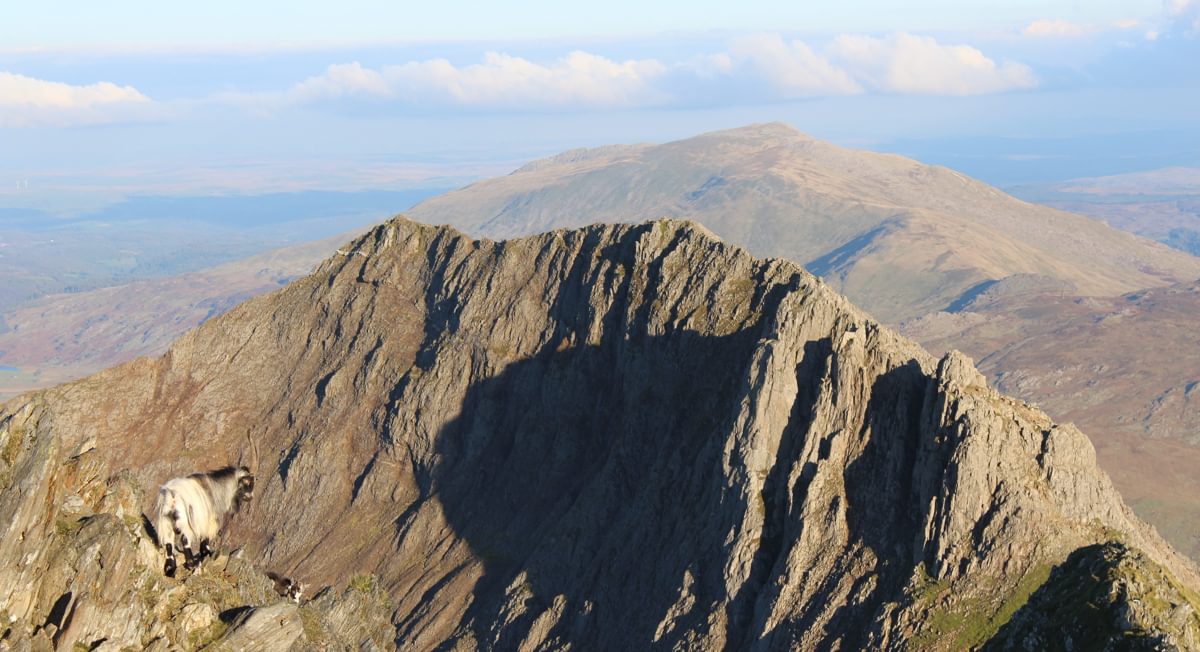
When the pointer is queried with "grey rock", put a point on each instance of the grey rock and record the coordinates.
(617, 437)
(263, 629)
(196, 617)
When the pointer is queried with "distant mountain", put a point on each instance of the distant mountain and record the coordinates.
(277, 209)
(144, 238)
(67, 336)
(900, 238)
(1163, 205)
(83, 293)
(1175, 181)
(617, 437)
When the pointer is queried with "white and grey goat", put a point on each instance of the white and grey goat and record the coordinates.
(192, 511)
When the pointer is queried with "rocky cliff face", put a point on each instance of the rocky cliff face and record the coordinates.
(1111, 365)
(616, 437)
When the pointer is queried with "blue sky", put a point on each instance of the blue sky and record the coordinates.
(130, 23)
(102, 100)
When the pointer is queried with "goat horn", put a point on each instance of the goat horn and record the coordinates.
(253, 453)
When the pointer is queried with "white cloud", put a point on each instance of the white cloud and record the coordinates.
(340, 80)
(1127, 23)
(500, 81)
(26, 101)
(710, 66)
(1183, 13)
(753, 68)
(793, 68)
(1179, 7)
(919, 65)
(1056, 29)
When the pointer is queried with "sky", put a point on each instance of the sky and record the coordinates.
(99, 101)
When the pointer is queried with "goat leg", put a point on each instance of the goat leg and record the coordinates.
(205, 550)
(190, 560)
(169, 566)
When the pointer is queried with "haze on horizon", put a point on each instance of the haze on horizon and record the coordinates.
(99, 103)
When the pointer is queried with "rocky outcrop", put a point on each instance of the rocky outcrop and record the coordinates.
(89, 577)
(617, 437)
(1111, 365)
(1105, 597)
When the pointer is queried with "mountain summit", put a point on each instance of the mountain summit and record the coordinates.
(900, 238)
(616, 437)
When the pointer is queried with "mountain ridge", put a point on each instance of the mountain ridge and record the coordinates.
(785, 194)
(519, 437)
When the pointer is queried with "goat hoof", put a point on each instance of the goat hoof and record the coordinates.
(169, 568)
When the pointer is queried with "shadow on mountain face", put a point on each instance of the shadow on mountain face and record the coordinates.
(597, 481)
(1090, 602)
(592, 470)
(973, 292)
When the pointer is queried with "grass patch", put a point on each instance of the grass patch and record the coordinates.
(971, 622)
(501, 350)
(739, 290)
(314, 629)
(1033, 580)
(363, 582)
(12, 445)
(65, 527)
(927, 589)
(1087, 602)
(205, 635)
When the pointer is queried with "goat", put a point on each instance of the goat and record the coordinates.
(287, 587)
(192, 510)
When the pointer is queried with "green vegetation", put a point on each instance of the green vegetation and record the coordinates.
(203, 636)
(68, 526)
(314, 629)
(927, 589)
(970, 622)
(364, 582)
(1033, 580)
(739, 290)
(14, 438)
(147, 587)
(13, 441)
(501, 350)
(1102, 595)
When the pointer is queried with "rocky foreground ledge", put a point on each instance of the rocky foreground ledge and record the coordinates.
(97, 584)
(616, 437)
